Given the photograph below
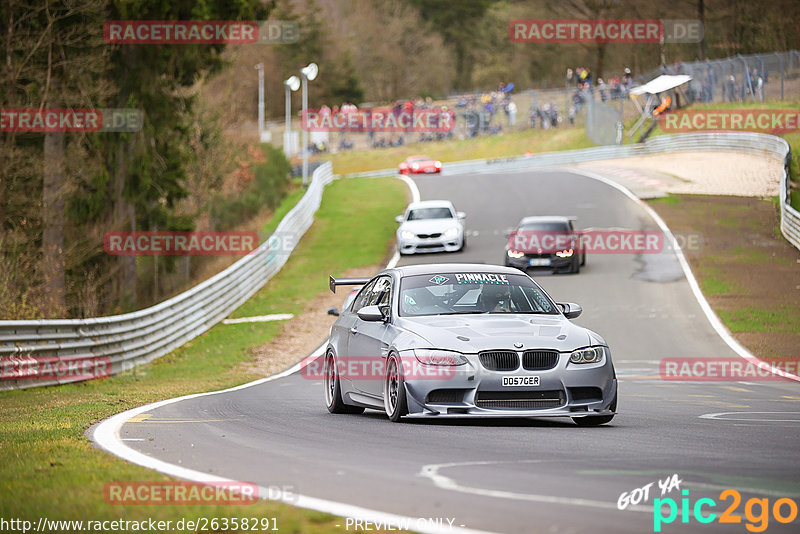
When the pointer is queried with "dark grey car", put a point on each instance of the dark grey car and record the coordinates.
(548, 243)
(465, 340)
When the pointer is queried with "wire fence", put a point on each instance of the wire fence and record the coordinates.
(754, 77)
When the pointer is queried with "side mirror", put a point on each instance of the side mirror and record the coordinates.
(333, 311)
(398, 219)
(570, 309)
(461, 215)
(371, 314)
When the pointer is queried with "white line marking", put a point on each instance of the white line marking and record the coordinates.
(719, 417)
(431, 471)
(260, 318)
(412, 186)
(106, 435)
(757, 491)
(720, 328)
(393, 262)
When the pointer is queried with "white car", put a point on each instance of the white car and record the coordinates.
(430, 226)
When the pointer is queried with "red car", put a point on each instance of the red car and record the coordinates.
(420, 165)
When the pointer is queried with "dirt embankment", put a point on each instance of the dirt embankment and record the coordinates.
(305, 331)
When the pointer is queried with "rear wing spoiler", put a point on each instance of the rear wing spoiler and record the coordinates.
(346, 282)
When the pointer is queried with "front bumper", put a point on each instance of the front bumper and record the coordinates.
(437, 244)
(555, 263)
(567, 390)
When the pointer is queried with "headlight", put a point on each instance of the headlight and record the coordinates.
(415, 166)
(564, 253)
(516, 254)
(450, 233)
(438, 164)
(439, 357)
(588, 355)
(405, 234)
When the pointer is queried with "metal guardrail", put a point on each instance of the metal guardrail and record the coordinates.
(120, 342)
(752, 143)
(67, 350)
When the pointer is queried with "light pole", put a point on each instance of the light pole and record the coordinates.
(291, 84)
(260, 69)
(309, 72)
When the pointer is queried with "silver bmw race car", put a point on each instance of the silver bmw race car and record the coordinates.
(465, 340)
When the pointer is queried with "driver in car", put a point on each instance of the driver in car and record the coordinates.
(495, 298)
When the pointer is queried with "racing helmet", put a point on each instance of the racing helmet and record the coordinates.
(493, 295)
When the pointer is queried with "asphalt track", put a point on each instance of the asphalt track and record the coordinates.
(522, 475)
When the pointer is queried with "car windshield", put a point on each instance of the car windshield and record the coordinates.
(429, 213)
(472, 293)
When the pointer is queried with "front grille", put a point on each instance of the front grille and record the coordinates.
(501, 360)
(520, 399)
(430, 246)
(446, 396)
(429, 236)
(586, 394)
(539, 360)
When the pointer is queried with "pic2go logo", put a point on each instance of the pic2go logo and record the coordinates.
(756, 511)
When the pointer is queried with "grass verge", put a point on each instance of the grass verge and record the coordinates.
(50, 469)
(748, 272)
(490, 146)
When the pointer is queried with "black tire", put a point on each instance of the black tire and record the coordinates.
(583, 259)
(333, 391)
(597, 419)
(576, 266)
(394, 390)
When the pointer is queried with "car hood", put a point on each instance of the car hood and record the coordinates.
(474, 333)
(428, 226)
